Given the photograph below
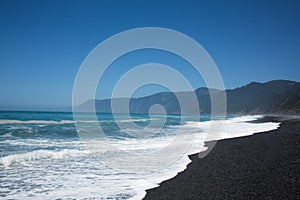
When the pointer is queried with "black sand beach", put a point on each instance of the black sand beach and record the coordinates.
(262, 166)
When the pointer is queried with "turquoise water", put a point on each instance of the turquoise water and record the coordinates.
(39, 150)
(45, 155)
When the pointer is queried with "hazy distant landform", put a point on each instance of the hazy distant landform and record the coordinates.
(277, 96)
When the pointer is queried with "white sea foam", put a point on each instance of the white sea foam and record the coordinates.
(42, 142)
(9, 134)
(207, 131)
(29, 157)
(8, 121)
(231, 128)
(134, 120)
(234, 127)
(45, 122)
(88, 178)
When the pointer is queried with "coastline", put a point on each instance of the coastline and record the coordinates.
(261, 166)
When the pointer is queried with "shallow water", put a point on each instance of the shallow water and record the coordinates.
(43, 157)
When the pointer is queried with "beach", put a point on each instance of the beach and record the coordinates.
(43, 158)
(262, 166)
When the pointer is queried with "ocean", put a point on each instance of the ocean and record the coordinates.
(45, 155)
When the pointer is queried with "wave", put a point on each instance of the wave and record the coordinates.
(111, 184)
(7, 121)
(29, 157)
(44, 143)
(134, 120)
(231, 128)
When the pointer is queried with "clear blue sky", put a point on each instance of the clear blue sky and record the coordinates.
(43, 43)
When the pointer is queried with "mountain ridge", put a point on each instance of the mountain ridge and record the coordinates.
(276, 96)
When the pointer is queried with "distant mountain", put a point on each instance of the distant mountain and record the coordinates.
(270, 97)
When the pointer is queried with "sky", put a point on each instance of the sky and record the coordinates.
(43, 43)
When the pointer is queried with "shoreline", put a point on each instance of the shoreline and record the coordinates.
(260, 166)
